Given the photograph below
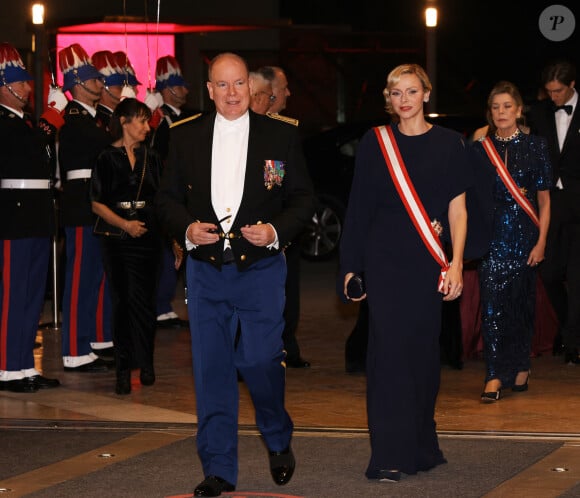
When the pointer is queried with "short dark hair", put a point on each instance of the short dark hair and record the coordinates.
(128, 109)
(562, 71)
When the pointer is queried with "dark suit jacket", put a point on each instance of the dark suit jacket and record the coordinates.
(185, 193)
(565, 164)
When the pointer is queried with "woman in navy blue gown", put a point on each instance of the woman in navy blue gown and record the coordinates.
(401, 276)
(508, 274)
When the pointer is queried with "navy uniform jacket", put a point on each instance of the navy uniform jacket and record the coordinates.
(565, 163)
(25, 213)
(160, 137)
(104, 116)
(81, 139)
(185, 193)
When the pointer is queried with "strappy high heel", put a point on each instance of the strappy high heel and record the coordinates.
(520, 388)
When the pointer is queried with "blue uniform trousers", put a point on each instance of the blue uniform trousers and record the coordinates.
(24, 265)
(216, 301)
(86, 306)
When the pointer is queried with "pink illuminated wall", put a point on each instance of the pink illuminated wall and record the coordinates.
(134, 45)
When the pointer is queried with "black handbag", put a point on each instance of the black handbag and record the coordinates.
(106, 229)
(355, 287)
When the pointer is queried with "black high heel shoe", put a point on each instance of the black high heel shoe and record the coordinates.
(520, 388)
(491, 396)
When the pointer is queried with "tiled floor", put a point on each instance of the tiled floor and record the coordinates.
(323, 396)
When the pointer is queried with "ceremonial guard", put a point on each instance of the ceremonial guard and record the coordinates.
(26, 223)
(86, 308)
(118, 81)
(172, 88)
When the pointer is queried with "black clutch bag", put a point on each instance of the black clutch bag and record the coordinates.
(107, 230)
(355, 287)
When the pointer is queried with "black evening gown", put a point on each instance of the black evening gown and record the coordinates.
(507, 284)
(401, 276)
(131, 264)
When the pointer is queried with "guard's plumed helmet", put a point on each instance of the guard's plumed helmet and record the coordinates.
(168, 73)
(11, 66)
(76, 66)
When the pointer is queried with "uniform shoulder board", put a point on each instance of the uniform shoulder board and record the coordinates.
(279, 117)
(190, 118)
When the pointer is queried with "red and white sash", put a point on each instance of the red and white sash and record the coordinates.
(508, 181)
(410, 198)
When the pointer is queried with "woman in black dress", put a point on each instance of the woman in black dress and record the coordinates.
(401, 275)
(123, 186)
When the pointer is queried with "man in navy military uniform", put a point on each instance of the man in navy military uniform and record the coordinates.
(280, 94)
(86, 307)
(172, 89)
(26, 226)
(236, 187)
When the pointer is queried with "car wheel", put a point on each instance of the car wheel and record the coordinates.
(321, 238)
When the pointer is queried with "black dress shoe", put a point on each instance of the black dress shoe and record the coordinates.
(571, 357)
(44, 383)
(389, 475)
(107, 354)
(282, 464)
(297, 363)
(99, 365)
(147, 376)
(169, 323)
(26, 385)
(123, 384)
(213, 486)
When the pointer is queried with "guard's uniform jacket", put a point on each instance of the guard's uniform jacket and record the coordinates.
(86, 306)
(26, 225)
(81, 140)
(26, 212)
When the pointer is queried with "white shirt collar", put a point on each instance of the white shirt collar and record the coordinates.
(15, 111)
(91, 110)
(573, 100)
(232, 123)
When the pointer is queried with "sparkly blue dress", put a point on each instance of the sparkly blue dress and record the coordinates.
(507, 283)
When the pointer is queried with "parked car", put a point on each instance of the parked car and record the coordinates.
(330, 157)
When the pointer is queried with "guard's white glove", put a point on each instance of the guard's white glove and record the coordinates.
(56, 98)
(128, 92)
(153, 100)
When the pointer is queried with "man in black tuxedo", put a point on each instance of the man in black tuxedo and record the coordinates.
(558, 120)
(236, 187)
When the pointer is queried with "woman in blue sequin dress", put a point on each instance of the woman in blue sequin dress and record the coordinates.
(508, 273)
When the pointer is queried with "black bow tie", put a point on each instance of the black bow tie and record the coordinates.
(568, 108)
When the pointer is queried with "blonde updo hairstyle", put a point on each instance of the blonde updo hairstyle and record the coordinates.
(394, 77)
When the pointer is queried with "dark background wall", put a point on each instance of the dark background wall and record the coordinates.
(338, 52)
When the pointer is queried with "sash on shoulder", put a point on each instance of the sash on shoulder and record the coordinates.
(508, 181)
(410, 199)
